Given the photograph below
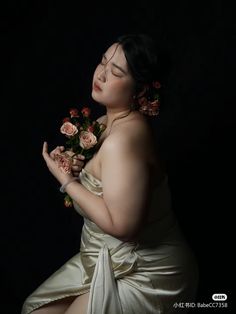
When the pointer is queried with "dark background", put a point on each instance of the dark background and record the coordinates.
(49, 53)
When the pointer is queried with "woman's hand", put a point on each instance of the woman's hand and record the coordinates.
(77, 165)
(78, 160)
(52, 163)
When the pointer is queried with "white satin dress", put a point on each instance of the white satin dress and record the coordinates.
(143, 277)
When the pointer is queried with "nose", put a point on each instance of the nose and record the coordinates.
(102, 74)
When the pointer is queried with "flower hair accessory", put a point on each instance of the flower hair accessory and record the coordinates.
(150, 102)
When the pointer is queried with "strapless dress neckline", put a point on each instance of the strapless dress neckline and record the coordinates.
(88, 173)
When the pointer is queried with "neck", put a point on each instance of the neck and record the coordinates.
(114, 114)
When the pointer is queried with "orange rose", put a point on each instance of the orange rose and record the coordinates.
(87, 139)
(68, 129)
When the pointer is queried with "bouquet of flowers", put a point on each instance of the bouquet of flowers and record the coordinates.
(82, 135)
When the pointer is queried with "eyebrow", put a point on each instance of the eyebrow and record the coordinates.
(115, 65)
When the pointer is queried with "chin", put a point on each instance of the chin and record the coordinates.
(97, 97)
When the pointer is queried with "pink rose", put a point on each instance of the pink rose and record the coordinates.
(68, 129)
(64, 162)
(87, 139)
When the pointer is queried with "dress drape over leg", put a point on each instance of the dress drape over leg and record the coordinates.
(143, 277)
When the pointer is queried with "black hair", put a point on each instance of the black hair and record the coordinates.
(141, 52)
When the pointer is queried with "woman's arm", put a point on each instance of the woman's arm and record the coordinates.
(125, 179)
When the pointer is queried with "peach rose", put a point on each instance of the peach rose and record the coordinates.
(87, 139)
(64, 162)
(68, 129)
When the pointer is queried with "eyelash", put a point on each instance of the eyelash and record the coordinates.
(115, 74)
(104, 63)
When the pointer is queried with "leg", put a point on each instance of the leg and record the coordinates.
(56, 307)
(79, 306)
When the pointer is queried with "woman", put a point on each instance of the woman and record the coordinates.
(133, 257)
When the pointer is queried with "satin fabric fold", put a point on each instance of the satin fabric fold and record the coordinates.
(146, 276)
(104, 296)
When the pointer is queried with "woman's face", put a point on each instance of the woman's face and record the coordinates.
(113, 85)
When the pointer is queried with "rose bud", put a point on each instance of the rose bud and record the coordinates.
(66, 119)
(74, 113)
(90, 129)
(68, 201)
(86, 112)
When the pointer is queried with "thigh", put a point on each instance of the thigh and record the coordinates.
(55, 307)
(79, 305)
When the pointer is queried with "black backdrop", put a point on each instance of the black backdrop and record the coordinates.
(50, 50)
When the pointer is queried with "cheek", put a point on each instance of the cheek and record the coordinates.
(121, 88)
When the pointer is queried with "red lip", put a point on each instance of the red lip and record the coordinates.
(97, 87)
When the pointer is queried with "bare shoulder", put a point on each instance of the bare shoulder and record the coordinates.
(133, 133)
(134, 138)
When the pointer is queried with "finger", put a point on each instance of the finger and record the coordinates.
(62, 148)
(45, 148)
(79, 157)
(57, 150)
(45, 151)
(78, 163)
(54, 152)
(76, 168)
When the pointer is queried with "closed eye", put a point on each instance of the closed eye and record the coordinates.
(118, 75)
